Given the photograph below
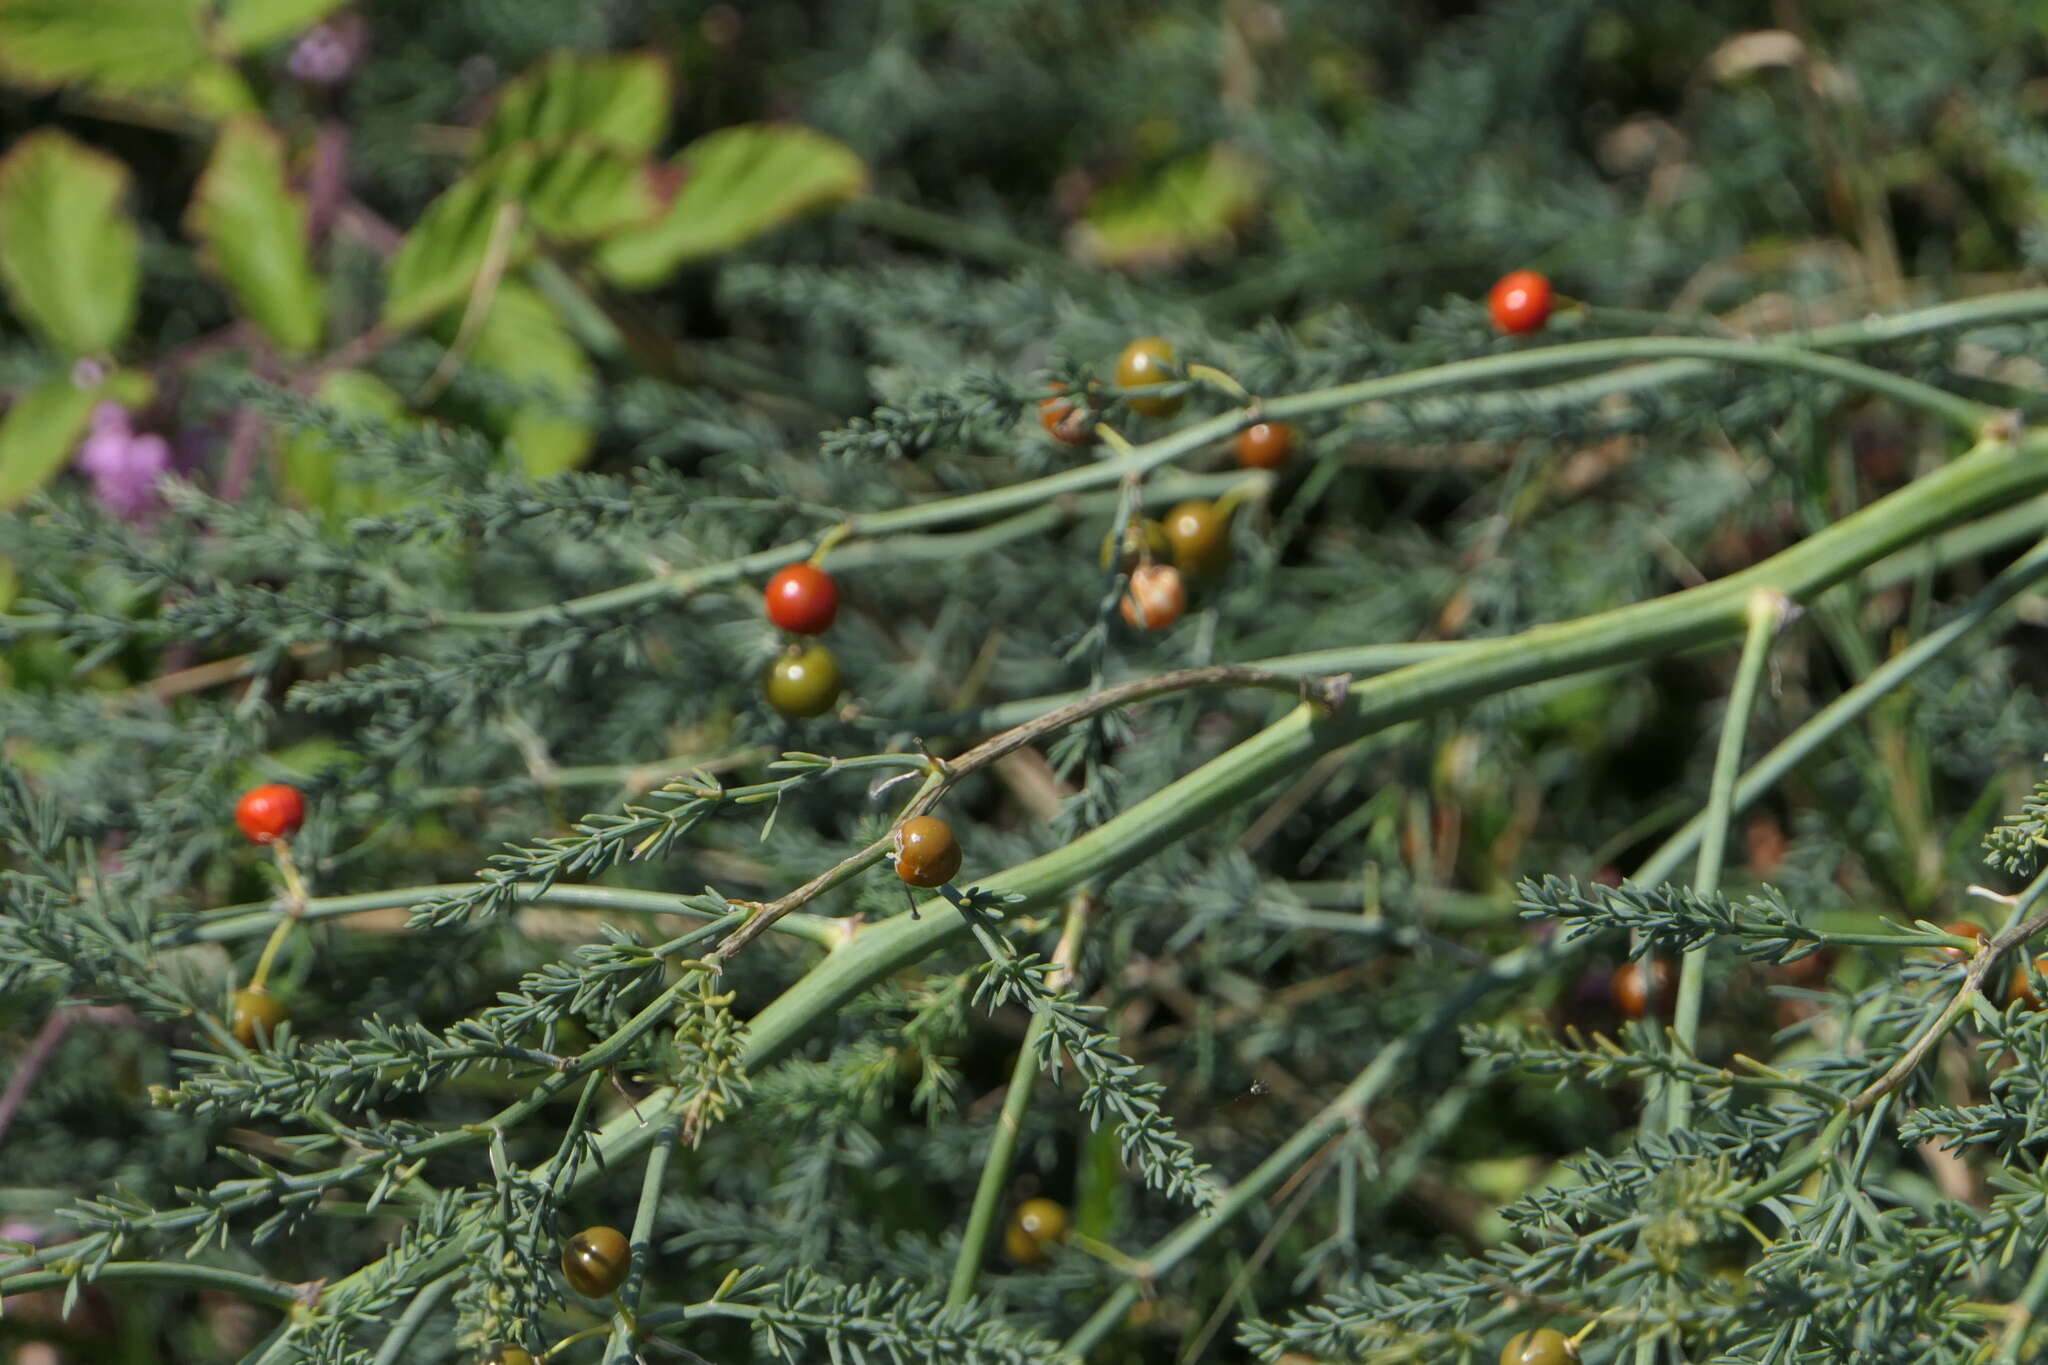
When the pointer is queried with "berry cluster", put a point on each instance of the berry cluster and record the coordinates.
(804, 680)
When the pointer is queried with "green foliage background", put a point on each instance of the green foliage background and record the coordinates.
(1300, 194)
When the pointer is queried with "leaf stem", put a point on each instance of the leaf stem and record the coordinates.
(1768, 612)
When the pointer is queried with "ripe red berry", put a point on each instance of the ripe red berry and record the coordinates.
(1265, 445)
(1635, 997)
(1145, 362)
(927, 854)
(1520, 302)
(802, 599)
(269, 813)
(1155, 598)
(1067, 423)
(595, 1261)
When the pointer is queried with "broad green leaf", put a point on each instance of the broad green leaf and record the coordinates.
(313, 472)
(524, 342)
(254, 231)
(217, 91)
(130, 45)
(69, 253)
(740, 182)
(567, 192)
(619, 101)
(43, 427)
(1193, 206)
(9, 581)
(247, 24)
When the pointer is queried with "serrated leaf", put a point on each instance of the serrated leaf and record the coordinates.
(740, 183)
(43, 427)
(254, 230)
(134, 45)
(246, 24)
(619, 101)
(312, 471)
(523, 341)
(69, 252)
(567, 192)
(1195, 205)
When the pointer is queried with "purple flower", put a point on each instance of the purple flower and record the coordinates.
(328, 54)
(124, 467)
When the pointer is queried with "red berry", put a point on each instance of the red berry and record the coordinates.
(1520, 302)
(802, 599)
(1155, 597)
(1066, 423)
(1635, 997)
(269, 813)
(1265, 445)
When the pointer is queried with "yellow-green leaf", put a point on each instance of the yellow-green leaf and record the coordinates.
(740, 182)
(619, 100)
(1193, 206)
(69, 252)
(129, 45)
(523, 341)
(312, 471)
(567, 192)
(254, 229)
(246, 24)
(43, 427)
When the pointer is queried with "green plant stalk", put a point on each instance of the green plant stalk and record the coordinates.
(1002, 1147)
(1966, 415)
(2023, 1312)
(1844, 710)
(240, 921)
(1993, 473)
(423, 1304)
(1767, 614)
(174, 1274)
(1342, 1112)
(619, 1348)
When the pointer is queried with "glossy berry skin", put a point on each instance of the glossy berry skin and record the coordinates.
(927, 854)
(257, 1015)
(1155, 598)
(270, 812)
(1265, 445)
(1064, 421)
(1036, 1225)
(508, 1355)
(1544, 1346)
(802, 599)
(1145, 362)
(1201, 538)
(1634, 998)
(1520, 302)
(595, 1261)
(803, 683)
(1144, 539)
